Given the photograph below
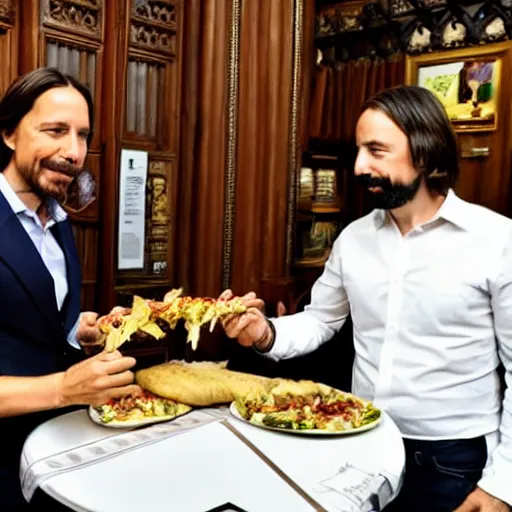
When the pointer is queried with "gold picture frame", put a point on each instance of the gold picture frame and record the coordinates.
(467, 82)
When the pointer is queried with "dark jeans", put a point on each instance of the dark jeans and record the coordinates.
(439, 474)
(11, 498)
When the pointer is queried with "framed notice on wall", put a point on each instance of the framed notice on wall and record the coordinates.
(132, 209)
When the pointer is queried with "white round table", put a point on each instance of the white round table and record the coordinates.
(211, 466)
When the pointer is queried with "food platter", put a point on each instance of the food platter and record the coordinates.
(95, 418)
(308, 432)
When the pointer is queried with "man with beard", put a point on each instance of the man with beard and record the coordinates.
(427, 280)
(45, 126)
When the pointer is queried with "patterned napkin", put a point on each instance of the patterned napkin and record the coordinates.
(34, 472)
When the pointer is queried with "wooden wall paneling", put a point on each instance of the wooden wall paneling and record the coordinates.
(192, 27)
(205, 114)
(206, 229)
(307, 69)
(144, 44)
(266, 74)
(9, 29)
(86, 237)
(151, 123)
(485, 180)
(117, 19)
(28, 55)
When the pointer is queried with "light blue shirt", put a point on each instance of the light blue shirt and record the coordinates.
(44, 241)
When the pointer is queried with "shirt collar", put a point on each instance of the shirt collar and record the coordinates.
(452, 210)
(56, 211)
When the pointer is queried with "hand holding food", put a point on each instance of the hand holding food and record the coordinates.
(97, 380)
(250, 328)
(154, 318)
(88, 334)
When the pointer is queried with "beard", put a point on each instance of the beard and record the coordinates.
(391, 195)
(78, 192)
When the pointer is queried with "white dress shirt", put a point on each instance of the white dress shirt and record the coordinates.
(44, 241)
(431, 311)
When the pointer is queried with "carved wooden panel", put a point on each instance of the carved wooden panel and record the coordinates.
(7, 12)
(153, 26)
(400, 7)
(82, 16)
(8, 43)
(150, 123)
(159, 225)
(145, 92)
(73, 60)
(86, 237)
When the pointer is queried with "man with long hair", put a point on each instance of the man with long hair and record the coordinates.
(427, 280)
(46, 121)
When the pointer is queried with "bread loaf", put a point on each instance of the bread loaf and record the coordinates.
(200, 383)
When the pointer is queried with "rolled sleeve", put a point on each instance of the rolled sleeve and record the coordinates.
(304, 332)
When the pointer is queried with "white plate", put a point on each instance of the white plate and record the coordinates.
(95, 417)
(316, 432)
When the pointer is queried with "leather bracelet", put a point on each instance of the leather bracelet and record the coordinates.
(271, 344)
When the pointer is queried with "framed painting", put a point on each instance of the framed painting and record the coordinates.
(466, 81)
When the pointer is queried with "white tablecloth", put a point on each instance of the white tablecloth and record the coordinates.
(209, 466)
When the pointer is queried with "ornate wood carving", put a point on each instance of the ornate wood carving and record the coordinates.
(344, 31)
(158, 217)
(7, 12)
(153, 25)
(84, 16)
(400, 7)
(229, 199)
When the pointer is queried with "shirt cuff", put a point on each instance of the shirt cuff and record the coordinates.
(496, 479)
(72, 340)
(498, 488)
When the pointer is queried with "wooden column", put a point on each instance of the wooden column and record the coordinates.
(275, 46)
(204, 146)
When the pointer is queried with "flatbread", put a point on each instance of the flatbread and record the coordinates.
(200, 383)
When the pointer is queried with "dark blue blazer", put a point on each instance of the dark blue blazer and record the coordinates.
(33, 332)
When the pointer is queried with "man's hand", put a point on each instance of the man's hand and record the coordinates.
(250, 328)
(87, 327)
(480, 501)
(96, 380)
